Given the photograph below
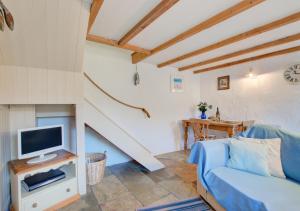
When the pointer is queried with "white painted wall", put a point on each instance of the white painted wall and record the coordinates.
(267, 99)
(97, 143)
(111, 68)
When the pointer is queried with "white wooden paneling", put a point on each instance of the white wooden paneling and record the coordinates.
(48, 34)
(80, 147)
(20, 85)
(38, 85)
(4, 157)
(20, 116)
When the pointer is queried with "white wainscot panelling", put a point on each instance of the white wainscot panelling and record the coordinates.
(20, 85)
(51, 35)
(4, 157)
(20, 116)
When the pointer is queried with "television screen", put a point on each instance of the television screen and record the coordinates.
(41, 139)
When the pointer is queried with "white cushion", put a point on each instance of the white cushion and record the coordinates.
(249, 156)
(274, 155)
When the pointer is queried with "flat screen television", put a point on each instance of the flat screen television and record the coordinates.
(39, 141)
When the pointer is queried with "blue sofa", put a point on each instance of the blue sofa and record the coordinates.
(233, 190)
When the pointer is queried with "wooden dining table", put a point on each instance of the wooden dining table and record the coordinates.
(231, 127)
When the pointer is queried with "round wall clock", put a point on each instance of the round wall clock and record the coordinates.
(292, 74)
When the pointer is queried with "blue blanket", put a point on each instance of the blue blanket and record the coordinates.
(212, 156)
(290, 147)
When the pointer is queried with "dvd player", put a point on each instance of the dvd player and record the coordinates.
(41, 179)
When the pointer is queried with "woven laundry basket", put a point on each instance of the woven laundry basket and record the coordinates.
(95, 165)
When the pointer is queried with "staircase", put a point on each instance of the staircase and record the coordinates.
(108, 128)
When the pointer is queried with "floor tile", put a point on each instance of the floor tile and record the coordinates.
(124, 202)
(87, 202)
(139, 184)
(181, 189)
(162, 174)
(109, 188)
(129, 186)
(176, 156)
(167, 199)
(187, 172)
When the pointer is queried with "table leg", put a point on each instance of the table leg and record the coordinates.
(185, 137)
(230, 132)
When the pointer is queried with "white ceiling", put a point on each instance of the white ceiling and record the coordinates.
(48, 34)
(117, 17)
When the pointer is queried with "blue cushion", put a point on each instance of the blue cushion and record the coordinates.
(249, 156)
(238, 190)
(290, 147)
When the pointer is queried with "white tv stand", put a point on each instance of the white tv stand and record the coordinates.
(49, 197)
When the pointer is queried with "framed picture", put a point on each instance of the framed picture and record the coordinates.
(224, 82)
(177, 83)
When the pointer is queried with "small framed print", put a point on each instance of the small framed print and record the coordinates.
(177, 83)
(224, 82)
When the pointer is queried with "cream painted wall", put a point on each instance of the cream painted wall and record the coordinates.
(268, 98)
(111, 68)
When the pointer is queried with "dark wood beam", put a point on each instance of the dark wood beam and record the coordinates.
(103, 40)
(160, 9)
(216, 19)
(251, 59)
(244, 51)
(256, 31)
(95, 8)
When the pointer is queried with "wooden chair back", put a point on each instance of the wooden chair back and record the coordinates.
(247, 124)
(200, 129)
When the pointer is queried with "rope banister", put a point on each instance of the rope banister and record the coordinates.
(115, 99)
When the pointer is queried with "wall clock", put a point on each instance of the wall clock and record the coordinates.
(292, 74)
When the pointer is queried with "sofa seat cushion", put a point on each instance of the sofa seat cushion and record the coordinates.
(237, 190)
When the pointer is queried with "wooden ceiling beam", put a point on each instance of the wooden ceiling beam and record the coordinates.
(220, 17)
(103, 40)
(251, 59)
(256, 31)
(160, 9)
(95, 8)
(244, 51)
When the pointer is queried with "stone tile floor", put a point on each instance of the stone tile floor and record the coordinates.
(128, 186)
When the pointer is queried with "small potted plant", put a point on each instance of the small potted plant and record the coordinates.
(203, 107)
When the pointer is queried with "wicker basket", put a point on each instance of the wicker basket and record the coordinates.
(95, 167)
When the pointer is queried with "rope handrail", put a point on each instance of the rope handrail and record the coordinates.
(115, 99)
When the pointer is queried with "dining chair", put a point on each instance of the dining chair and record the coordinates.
(201, 130)
(247, 124)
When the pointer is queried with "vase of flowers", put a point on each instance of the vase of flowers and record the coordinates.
(203, 107)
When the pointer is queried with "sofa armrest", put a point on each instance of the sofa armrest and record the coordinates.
(209, 155)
